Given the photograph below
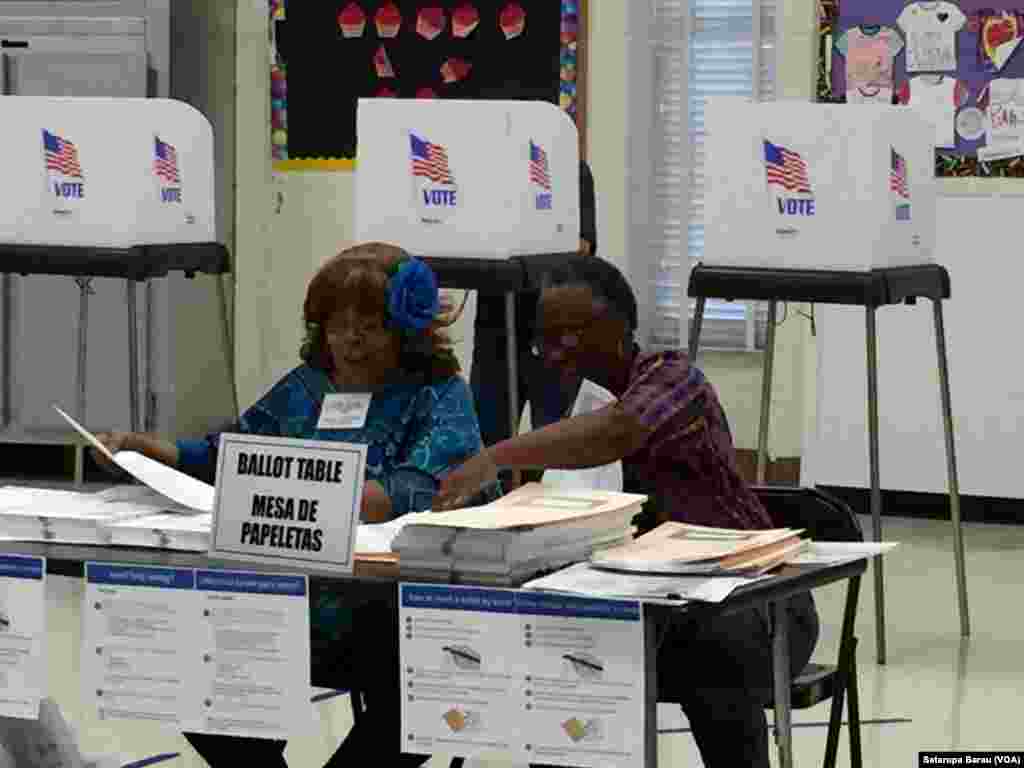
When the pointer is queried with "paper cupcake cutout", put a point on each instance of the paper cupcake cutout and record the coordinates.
(382, 63)
(512, 20)
(385, 93)
(465, 19)
(388, 21)
(430, 23)
(352, 20)
(454, 70)
(426, 93)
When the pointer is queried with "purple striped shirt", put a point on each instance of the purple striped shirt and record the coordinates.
(688, 464)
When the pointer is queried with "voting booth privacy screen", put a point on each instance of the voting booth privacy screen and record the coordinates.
(467, 178)
(810, 186)
(105, 172)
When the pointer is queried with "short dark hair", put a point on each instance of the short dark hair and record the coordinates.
(604, 280)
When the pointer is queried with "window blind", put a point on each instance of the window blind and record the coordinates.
(701, 48)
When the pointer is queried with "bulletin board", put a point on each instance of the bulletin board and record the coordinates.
(987, 46)
(328, 54)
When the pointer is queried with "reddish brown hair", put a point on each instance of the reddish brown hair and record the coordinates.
(358, 277)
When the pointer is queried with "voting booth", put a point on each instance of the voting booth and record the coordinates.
(477, 187)
(787, 181)
(484, 179)
(105, 172)
(107, 187)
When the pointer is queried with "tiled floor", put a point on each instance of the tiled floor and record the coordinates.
(936, 691)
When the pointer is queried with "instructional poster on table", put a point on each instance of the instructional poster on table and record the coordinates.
(531, 677)
(959, 64)
(22, 635)
(212, 651)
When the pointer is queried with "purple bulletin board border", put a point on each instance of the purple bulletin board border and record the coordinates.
(835, 16)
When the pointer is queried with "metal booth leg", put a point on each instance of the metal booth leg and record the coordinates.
(84, 291)
(133, 356)
(876, 491)
(695, 327)
(953, 481)
(512, 349)
(766, 396)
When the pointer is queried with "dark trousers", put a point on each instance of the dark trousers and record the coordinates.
(550, 398)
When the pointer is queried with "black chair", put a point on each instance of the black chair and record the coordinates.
(823, 518)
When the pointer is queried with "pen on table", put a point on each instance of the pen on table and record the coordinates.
(584, 662)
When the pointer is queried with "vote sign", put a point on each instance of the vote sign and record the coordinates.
(287, 501)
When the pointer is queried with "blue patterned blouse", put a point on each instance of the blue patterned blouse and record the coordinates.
(415, 431)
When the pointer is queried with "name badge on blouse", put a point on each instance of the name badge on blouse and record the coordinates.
(344, 411)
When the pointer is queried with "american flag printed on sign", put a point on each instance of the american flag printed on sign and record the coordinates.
(430, 161)
(786, 169)
(539, 173)
(61, 156)
(898, 175)
(165, 162)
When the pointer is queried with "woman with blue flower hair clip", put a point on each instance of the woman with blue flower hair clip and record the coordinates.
(374, 330)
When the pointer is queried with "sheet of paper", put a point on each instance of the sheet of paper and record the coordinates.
(254, 648)
(590, 398)
(536, 504)
(583, 579)
(584, 687)
(462, 675)
(166, 480)
(832, 552)
(519, 675)
(22, 635)
(139, 642)
(376, 538)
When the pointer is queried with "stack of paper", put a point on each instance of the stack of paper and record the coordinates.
(533, 529)
(699, 550)
(128, 515)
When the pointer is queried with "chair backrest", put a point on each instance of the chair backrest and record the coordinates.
(823, 517)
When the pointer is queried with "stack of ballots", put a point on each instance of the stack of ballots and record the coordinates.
(533, 529)
(132, 515)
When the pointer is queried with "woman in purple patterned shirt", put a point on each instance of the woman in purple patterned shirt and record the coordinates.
(670, 431)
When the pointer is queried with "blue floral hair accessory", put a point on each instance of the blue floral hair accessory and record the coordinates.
(413, 297)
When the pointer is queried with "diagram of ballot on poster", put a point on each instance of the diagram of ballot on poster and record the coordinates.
(288, 502)
(105, 172)
(139, 640)
(524, 676)
(467, 178)
(584, 689)
(462, 673)
(22, 635)
(254, 650)
(795, 185)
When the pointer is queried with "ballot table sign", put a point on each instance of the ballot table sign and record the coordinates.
(287, 501)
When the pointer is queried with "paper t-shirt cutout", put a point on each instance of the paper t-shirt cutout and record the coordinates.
(1003, 101)
(930, 28)
(465, 19)
(344, 410)
(936, 98)
(352, 20)
(512, 20)
(869, 53)
(382, 63)
(388, 21)
(430, 23)
(999, 35)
